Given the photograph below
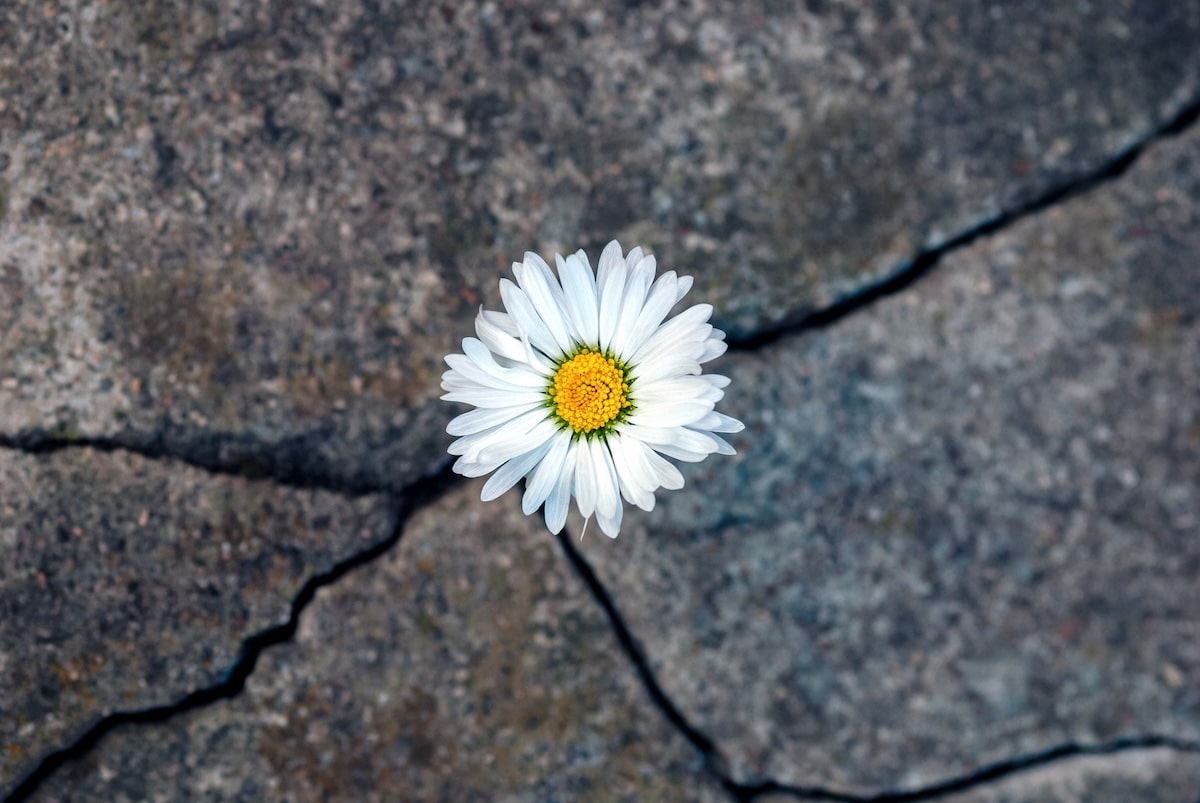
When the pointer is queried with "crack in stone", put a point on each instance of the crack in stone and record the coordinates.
(292, 462)
(716, 764)
(978, 778)
(926, 259)
(415, 497)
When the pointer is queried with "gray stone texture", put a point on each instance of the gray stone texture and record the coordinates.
(271, 220)
(963, 522)
(1136, 776)
(128, 583)
(448, 670)
(1144, 776)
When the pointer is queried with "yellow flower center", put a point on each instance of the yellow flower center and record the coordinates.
(589, 391)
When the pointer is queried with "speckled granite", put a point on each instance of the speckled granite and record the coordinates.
(128, 583)
(273, 219)
(448, 670)
(1138, 776)
(963, 522)
(1144, 776)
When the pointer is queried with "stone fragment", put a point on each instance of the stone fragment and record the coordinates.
(128, 583)
(267, 223)
(468, 664)
(962, 523)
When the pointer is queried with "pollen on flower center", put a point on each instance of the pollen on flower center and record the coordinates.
(589, 391)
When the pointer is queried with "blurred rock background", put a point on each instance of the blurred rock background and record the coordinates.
(956, 249)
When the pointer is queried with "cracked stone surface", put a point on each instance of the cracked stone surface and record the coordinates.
(128, 583)
(257, 225)
(1147, 776)
(448, 670)
(963, 522)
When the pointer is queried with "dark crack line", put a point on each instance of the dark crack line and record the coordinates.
(987, 774)
(713, 760)
(292, 462)
(716, 764)
(414, 498)
(928, 258)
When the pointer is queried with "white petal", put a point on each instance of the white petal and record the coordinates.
(559, 500)
(691, 388)
(497, 339)
(585, 479)
(610, 525)
(633, 473)
(545, 476)
(513, 431)
(634, 297)
(579, 293)
(471, 468)
(544, 292)
(669, 414)
(508, 474)
(610, 283)
(658, 303)
(713, 349)
(666, 474)
(608, 497)
(493, 399)
(718, 422)
(681, 290)
(511, 447)
(526, 316)
(521, 375)
(478, 376)
(680, 442)
(682, 328)
(478, 420)
(633, 257)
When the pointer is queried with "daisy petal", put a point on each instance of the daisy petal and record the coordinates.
(544, 478)
(509, 473)
(527, 318)
(632, 301)
(585, 480)
(579, 289)
(484, 418)
(608, 498)
(560, 498)
(611, 286)
(539, 284)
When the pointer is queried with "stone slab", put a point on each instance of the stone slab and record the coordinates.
(1145, 776)
(468, 664)
(962, 523)
(129, 583)
(270, 221)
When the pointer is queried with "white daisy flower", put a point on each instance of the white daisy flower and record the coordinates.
(583, 390)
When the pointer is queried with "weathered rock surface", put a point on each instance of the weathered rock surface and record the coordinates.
(448, 670)
(128, 583)
(963, 522)
(1146, 776)
(268, 221)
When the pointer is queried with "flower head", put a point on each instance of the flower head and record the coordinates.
(583, 390)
